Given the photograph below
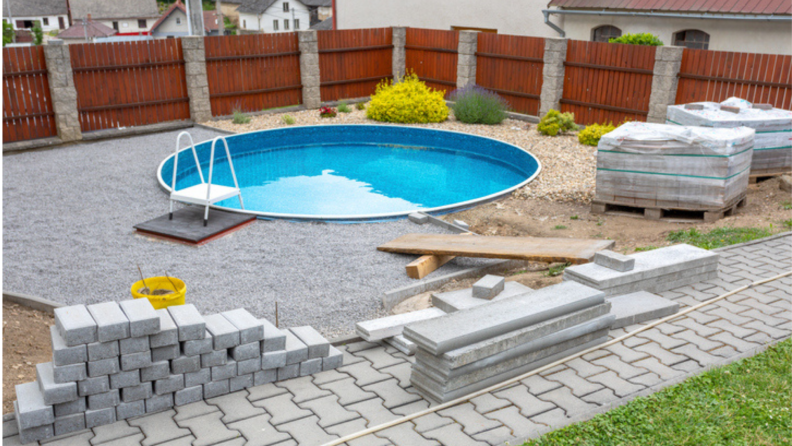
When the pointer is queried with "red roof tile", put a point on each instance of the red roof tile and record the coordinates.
(89, 27)
(783, 7)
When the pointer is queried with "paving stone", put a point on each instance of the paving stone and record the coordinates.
(701, 330)
(665, 356)
(216, 388)
(552, 418)
(774, 332)
(626, 354)
(390, 326)
(227, 371)
(134, 361)
(248, 367)
(639, 307)
(772, 321)
(727, 351)
(306, 431)
(563, 398)
(697, 341)
(103, 367)
(348, 391)
(601, 397)
(224, 333)
(303, 389)
(143, 319)
(31, 410)
(250, 329)
(99, 417)
(426, 422)
(288, 372)
(258, 431)
(487, 403)
(63, 354)
(104, 400)
(52, 392)
(125, 379)
(157, 370)
(391, 393)
(494, 437)
(647, 379)
(189, 322)
(282, 409)
(520, 396)
(731, 317)
(265, 376)
(193, 410)
(373, 410)
(472, 422)
(333, 360)
(406, 435)
(75, 324)
(759, 338)
(556, 369)
(32, 434)
(274, 338)
(364, 373)
(245, 351)
(667, 342)
(111, 323)
(159, 428)
(265, 391)
(729, 339)
(78, 439)
(379, 358)
(400, 371)
(310, 367)
(619, 386)
(452, 435)
(92, 386)
(130, 410)
(596, 354)
(68, 408)
(584, 368)
(132, 440)
(69, 424)
(659, 368)
(236, 407)
(667, 329)
(134, 345)
(688, 366)
(169, 384)
(576, 384)
(488, 287)
(512, 418)
(318, 346)
(110, 432)
(329, 411)
(158, 403)
(69, 373)
(169, 332)
(615, 364)
(349, 358)
(329, 376)
(188, 395)
(198, 346)
(214, 358)
(208, 429)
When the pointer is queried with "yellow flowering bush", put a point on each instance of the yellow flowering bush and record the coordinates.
(591, 135)
(409, 102)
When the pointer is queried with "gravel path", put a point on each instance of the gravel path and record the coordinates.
(68, 215)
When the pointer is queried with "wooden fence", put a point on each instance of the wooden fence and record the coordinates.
(718, 75)
(352, 62)
(432, 55)
(605, 82)
(126, 84)
(253, 72)
(27, 106)
(512, 67)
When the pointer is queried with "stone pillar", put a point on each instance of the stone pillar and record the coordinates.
(668, 60)
(196, 17)
(309, 69)
(64, 95)
(552, 75)
(399, 54)
(466, 58)
(197, 82)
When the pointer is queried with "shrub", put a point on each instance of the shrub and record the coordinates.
(343, 107)
(555, 122)
(288, 119)
(409, 102)
(240, 118)
(476, 105)
(327, 112)
(38, 35)
(591, 135)
(8, 33)
(360, 106)
(638, 39)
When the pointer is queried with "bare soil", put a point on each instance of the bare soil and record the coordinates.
(26, 342)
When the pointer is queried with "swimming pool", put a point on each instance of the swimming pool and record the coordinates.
(357, 172)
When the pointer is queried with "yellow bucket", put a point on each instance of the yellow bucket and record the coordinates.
(161, 283)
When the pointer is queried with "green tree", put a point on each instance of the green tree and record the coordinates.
(38, 35)
(8, 33)
(638, 39)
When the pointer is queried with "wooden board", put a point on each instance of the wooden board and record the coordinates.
(576, 251)
(420, 267)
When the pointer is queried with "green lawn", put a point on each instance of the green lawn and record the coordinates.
(744, 403)
(718, 237)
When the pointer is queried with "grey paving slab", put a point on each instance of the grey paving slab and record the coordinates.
(373, 411)
(519, 425)
(303, 389)
(329, 411)
(406, 435)
(391, 393)
(562, 397)
(306, 431)
(640, 306)
(364, 374)
(109, 432)
(208, 429)
(425, 423)
(258, 431)
(613, 381)
(282, 409)
(452, 435)
(452, 301)
(614, 260)
(379, 358)
(528, 404)
(472, 422)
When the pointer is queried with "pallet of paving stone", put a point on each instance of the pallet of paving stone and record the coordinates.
(663, 209)
(575, 251)
(112, 361)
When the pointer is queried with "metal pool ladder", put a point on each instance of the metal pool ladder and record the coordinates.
(205, 193)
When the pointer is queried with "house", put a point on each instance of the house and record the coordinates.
(51, 15)
(127, 17)
(85, 31)
(726, 25)
(319, 10)
(324, 25)
(173, 22)
(273, 16)
(229, 9)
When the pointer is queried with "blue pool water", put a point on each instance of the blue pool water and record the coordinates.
(357, 172)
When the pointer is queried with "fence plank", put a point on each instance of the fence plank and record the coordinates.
(352, 62)
(27, 105)
(432, 55)
(512, 67)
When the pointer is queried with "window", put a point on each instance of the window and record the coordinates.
(285, 24)
(45, 21)
(296, 23)
(692, 38)
(115, 26)
(605, 33)
(178, 20)
(286, 8)
(244, 24)
(142, 23)
(61, 23)
(275, 25)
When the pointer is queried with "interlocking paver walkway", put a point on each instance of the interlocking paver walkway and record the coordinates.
(373, 385)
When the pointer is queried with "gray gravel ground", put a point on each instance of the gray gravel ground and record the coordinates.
(67, 236)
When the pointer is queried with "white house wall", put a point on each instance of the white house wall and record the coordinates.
(127, 26)
(264, 22)
(52, 19)
(170, 27)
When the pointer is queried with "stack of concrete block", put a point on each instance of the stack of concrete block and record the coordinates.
(389, 329)
(653, 271)
(112, 361)
(452, 301)
(474, 348)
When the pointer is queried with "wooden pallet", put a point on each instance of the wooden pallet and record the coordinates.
(766, 174)
(653, 211)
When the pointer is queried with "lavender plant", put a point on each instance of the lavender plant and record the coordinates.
(476, 105)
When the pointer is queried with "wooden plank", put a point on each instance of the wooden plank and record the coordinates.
(422, 266)
(575, 251)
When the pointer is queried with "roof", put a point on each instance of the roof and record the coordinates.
(326, 24)
(34, 8)
(93, 29)
(210, 18)
(317, 3)
(685, 6)
(255, 6)
(178, 5)
(114, 9)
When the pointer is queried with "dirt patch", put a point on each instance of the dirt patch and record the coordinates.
(26, 342)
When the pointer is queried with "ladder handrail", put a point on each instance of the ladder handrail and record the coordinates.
(230, 165)
(176, 159)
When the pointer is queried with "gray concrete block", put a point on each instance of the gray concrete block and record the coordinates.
(137, 393)
(125, 379)
(185, 364)
(188, 395)
(168, 385)
(240, 382)
(273, 360)
(488, 287)
(248, 366)
(92, 386)
(134, 345)
(614, 260)
(311, 366)
(296, 350)
(462, 225)
(288, 372)
(134, 361)
(402, 344)
(111, 398)
(71, 407)
(130, 409)
(75, 324)
(223, 332)
(318, 347)
(31, 410)
(102, 367)
(198, 346)
(390, 326)
(158, 403)
(274, 338)
(99, 417)
(250, 330)
(334, 360)
(69, 423)
(202, 376)
(168, 334)
(111, 322)
(214, 358)
(479, 323)
(62, 354)
(246, 351)
(54, 393)
(639, 307)
(103, 350)
(215, 388)
(452, 301)
(143, 319)
(418, 218)
(157, 370)
(223, 372)
(69, 373)
(189, 322)
(165, 353)
(264, 377)
(36, 433)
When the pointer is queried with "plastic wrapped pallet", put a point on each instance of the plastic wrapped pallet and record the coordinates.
(674, 167)
(773, 142)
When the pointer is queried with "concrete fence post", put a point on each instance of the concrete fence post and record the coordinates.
(399, 55)
(466, 58)
(309, 69)
(197, 82)
(62, 91)
(552, 75)
(668, 60)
